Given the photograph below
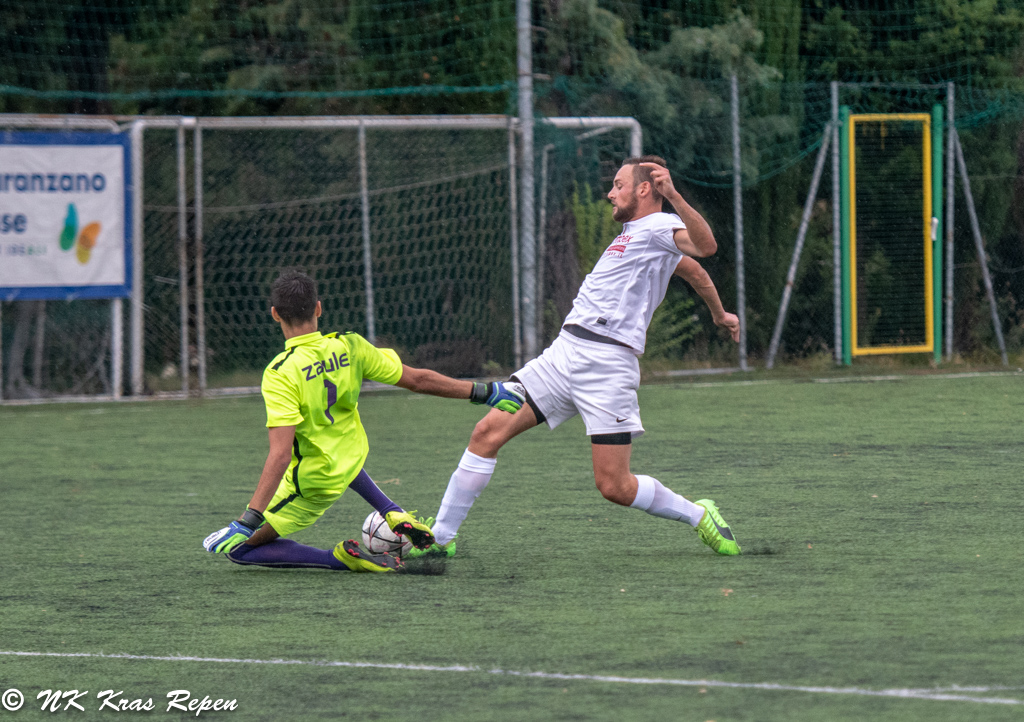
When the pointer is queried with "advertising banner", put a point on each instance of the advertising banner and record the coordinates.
(65, 215)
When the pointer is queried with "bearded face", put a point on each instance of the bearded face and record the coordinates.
(624, 205)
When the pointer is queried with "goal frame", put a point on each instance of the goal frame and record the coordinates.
(137, 126)
(931, 231)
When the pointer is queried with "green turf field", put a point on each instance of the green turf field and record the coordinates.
(880, 524)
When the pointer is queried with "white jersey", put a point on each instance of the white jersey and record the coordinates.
(618, 298)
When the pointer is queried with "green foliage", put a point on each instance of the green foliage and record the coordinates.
(677, 92)
(595, 226)
(665, 63)
(70, 49)
(979, 40)
(673, 325)
(268, 56)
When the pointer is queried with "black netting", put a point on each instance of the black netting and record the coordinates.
(889, 242)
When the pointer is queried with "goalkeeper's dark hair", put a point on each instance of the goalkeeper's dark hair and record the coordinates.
(293, 295)
(642, 174)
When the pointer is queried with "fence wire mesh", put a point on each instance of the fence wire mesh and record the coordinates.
(890, 237)
(440, 222)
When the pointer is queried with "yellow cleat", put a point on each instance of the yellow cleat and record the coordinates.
(416, 530)
(360, 560)
(713, 530)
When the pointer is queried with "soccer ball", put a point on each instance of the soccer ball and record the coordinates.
(378, 537)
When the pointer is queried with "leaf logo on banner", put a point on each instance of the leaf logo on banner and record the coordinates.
(67, 236)
(86, 239)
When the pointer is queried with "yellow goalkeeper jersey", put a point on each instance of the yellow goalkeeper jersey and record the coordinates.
(314, 386)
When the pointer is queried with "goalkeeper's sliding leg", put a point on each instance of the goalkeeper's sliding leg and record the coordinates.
(287, 514)
(267, 549)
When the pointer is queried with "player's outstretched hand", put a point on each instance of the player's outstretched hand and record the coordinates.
(508, 396)
(731, 323)
(661, 179)
(238, 532)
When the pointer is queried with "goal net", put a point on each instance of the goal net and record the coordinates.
(429, 274)
(408, 227)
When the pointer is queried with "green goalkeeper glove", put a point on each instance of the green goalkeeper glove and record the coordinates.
(238, 532)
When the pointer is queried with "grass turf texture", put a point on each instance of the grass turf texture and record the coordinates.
(879, 523)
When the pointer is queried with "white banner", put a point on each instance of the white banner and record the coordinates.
(63, 225)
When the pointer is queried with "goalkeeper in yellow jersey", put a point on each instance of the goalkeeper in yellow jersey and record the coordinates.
(317, 442)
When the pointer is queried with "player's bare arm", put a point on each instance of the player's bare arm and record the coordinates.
(278, 458)
(425, 381)
(696, 239)
(506, 396)
(694, 274)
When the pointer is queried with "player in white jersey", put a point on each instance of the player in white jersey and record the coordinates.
(591, 369)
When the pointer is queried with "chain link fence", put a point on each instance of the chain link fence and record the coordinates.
(416, 251)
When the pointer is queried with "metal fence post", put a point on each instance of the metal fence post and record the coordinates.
(200, 259)
(845, 143)
(116, 347)
(837, 234)
(364, 195)
(950, 162)
(542, 233)
(138, 292)
(936, 222)
(979, 243)
(524, 35)
(737, 199)
(805, 220)
(517, 329)
(182, 259)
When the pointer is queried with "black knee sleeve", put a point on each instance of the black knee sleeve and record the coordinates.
(623, 438)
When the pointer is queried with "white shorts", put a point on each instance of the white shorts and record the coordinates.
(598, 381)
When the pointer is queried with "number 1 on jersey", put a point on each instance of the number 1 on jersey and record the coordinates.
(332, 398)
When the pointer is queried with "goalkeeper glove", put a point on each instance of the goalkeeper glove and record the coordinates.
(238, 532)
(509, 396)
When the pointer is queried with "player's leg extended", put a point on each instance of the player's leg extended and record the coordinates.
(476, 467)
(372, 494)
(287, 513)
(266, 548)
(288, 554)
(611, 455)
(399, 520)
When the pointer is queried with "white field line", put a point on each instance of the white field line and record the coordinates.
(939, 694)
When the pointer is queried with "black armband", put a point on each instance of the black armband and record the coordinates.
(480, 393)
(251, 518)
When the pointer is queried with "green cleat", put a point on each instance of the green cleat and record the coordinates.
(360, 560)
(713, 530)
(416, 530)
(435, 549)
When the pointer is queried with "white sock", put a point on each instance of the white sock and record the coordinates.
(657, 499)
(464, 487)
